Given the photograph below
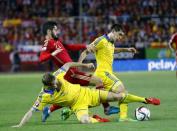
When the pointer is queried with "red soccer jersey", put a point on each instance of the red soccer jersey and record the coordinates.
(60, 59)
(63, 57)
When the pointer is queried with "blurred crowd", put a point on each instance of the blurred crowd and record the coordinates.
(146, 22)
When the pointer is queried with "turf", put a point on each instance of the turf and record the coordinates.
(19, 91)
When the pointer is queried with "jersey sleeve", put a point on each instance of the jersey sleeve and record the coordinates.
(46, 52)
(75, 47)
(60, 72)
(98, 43)
(44, 56)
(41, 102)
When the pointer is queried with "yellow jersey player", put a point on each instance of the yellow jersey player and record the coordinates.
(104, 49)
(57, 90)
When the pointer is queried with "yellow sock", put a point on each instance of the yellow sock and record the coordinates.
(93, 120)
(123, 110)
(132, 98)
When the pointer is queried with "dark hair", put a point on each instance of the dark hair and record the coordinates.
(47, 79)
(48, 26)
(116, 27)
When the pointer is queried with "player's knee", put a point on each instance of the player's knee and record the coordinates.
(118, 96)
(121, 88)
(85, 119)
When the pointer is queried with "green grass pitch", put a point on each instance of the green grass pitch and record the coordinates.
(19, 91)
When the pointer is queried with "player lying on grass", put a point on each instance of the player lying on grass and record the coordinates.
(104, 49)
(54, 50)
(57, 90)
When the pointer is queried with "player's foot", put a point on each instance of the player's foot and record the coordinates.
(66, 113)
(45, 114)
(153, 101)
(112, 110)
(127, 120)
(100, 119)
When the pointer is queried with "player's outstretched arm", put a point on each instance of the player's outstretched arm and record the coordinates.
(75, 47)
(131, 49)
(46, 53)
(25, 118)
(83, 55)
(90, 49)
(76, 64)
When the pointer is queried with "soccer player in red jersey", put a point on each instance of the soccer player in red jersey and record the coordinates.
(173, 46)
(53, 49)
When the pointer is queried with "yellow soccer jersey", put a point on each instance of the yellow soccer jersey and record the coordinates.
(104, 54)
(67, 95)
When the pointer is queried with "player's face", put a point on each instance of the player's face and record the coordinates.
(55, 33)
(118, 35)
(54, 83)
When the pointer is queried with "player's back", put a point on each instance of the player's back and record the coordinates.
(104, 54)
(68, 93)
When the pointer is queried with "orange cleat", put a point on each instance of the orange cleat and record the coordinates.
(97, 117)
(153, 101)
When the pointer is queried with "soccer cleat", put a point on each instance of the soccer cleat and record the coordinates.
(153, 101)
(127, 120)
(112, 110)
(45, 114)
(65, 114)
(97, 117)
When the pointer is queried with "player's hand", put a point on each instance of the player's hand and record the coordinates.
(17, 126)
(90, 65)
(56, 51)
(133, 50)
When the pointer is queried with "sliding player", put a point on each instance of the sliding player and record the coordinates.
(56, 90)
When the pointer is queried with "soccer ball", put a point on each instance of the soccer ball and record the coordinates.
(142, 113)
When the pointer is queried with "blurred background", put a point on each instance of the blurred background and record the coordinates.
(148, 24)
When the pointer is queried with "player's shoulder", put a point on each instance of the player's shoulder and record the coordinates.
(51, 41)
(42, 93)
(59, 72)
(48, 43)
(99, 39)
(42, 96)
(45, 95)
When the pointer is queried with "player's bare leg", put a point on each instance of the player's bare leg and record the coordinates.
(84, 78)
(129, 98)
(108, 110)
